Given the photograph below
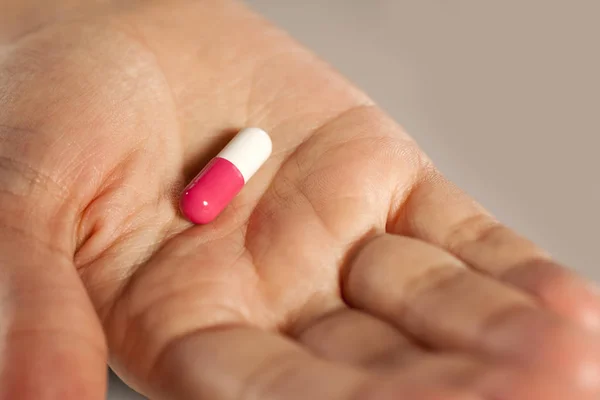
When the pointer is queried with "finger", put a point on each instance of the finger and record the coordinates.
(435, 297)
(480, 377)
(353, 337)
(426, 291)
(439, 213)
(52, 343)
(245, 363)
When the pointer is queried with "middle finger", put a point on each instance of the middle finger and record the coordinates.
(432, 295)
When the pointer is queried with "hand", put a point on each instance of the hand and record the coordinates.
(347, 268)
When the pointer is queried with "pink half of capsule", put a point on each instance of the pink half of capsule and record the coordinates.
(224, 176)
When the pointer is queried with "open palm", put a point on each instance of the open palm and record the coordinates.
(347, 268)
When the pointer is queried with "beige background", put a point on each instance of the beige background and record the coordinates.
(503, 95)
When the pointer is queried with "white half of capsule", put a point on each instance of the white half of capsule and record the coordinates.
(248, 151)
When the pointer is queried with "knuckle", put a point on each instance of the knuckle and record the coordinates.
(477, 228)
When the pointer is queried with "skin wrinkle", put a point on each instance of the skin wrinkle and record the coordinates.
(497, 320)
(167, 244)
(16, 129)
(18, 230)
(478, 227)
(140, 320)
(556, 277)
(401, 195)
(434, 280)
(267, 375)
(142, 256)
(111, 178)
(299, 330)
(297, 190)
(276, 95)
(293, 156)
(154, 372)
(440, 275)
(419, 285)
(138, 38)
(306, 141)
(227, 316)
(118, 167)
(139, 41)
(166, 278)
(34, 178)
(112, 234)
(293, 315)
(105, 309)
(148, 308)
(112, 183)
(137, 35)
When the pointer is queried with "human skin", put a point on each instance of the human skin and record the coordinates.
(348, 268)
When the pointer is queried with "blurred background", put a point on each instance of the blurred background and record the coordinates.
(503, 95)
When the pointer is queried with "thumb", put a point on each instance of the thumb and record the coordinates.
(51, 342)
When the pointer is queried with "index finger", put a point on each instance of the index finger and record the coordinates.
(439, 213)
